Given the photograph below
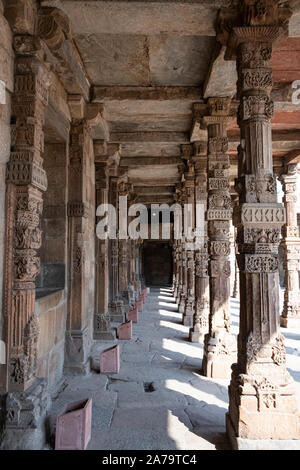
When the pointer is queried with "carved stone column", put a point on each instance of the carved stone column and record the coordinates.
(116, 304)
(26, 182)
(180, 272)
(78, 334)
(184, 269)
(290, 316)
(27, 398)
(102, 328)
(137, 252)
(263, 402)
(132, 291)
(124, 190)
(219, 346)
(179, 244)
(175, 267)
(183, 290)
(200, 326)
(189, 307)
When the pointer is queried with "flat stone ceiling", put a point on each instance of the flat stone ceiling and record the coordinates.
(149, 61)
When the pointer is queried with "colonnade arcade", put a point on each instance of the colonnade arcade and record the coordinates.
(65, 150)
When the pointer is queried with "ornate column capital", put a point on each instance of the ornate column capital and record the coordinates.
(253, 20)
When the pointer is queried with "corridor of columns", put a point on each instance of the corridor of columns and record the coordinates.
(149, 175)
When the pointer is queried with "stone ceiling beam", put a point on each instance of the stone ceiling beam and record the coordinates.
(222, 76)
(148, 190)
(292, 157)
(163, 137)
(141, 18)
(154, 182)
(158, 199)
(54, 28)
(151, 93)
(146, 161)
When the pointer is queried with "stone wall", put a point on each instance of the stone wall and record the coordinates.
(52, 313)
(54, 221)
(6, 76)
(51, 304)
(158, 263)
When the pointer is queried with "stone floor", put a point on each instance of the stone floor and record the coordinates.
(158, 400)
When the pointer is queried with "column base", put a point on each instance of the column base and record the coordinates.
(24, 419)
(238, 443)
(290, 322)
(78, 347)
(187, 320)
(189, 310)
(197, 336)
(263, 406)
(181, 305)
(102, 328)
(117, 311)
(105, 335)
(220, 352)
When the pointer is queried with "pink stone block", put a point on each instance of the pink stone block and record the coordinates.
(110, 360)
(125, 330)
(139, 305)
(133, 315)
(74, 425)
(145, 292)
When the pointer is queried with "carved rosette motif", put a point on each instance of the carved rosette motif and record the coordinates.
(26, 180)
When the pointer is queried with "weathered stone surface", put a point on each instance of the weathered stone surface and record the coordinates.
(73, 426)
(110, 360)
(125, 330)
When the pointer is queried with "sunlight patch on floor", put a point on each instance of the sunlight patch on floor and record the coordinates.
(189, 390)
(171, 299)
(173, 326)
(167, 313)
(185, 348)
(167, 304)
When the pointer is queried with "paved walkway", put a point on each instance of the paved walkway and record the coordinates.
(159, 400)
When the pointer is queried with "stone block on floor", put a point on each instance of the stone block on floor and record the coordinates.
(110, 360)
(73, 426)
(125, 330)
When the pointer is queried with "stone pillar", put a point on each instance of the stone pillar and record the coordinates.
(219, 345)
(141, 264)
(179, 272)
(290, 316)
(102, 327)
(124, 190)
(26, 182)
(27, 399)
(183, 290)
(132, 291)
(78, 334)
(189, 306)
(200, 325)
(175, 268)
(138, 283)
(263, 402)
(116, 304)
(183, 274)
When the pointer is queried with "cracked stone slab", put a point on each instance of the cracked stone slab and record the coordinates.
(151, 419)
(151, 400)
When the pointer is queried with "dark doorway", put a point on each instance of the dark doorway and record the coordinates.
(158, 265)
